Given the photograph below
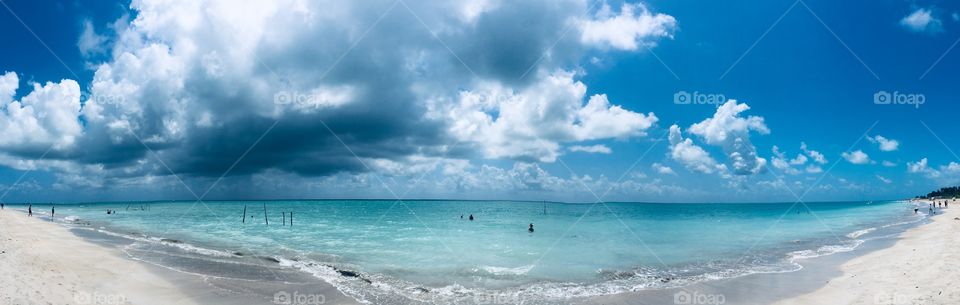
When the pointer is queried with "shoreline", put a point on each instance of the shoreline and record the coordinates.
(920, 268)
(819, 281)
(48, 263)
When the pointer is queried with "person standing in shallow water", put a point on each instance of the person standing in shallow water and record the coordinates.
(471, 217)
(52, 211)
(531, 228)
(30, 211)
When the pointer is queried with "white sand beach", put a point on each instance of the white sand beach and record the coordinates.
(43, 263)
(923, 267)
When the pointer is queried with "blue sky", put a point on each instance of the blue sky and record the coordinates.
(569, 101)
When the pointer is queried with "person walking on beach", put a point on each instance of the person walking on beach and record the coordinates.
(30, 211)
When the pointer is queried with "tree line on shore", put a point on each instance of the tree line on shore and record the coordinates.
(945, 192)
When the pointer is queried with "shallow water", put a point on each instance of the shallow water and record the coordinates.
(416, 251)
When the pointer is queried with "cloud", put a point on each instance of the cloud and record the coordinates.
(888, 163)
(693, 157)
(816, 155)
(196, 83)
(90, 43)
(922, 20)
(732, 132)
(856, 157)
(594, 149)
(781, 162)
(662, 169)
(948, 174)
(633, 26)
(45, 119)
(884, 143)
(531, 124)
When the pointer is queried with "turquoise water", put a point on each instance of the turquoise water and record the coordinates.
(423, 250)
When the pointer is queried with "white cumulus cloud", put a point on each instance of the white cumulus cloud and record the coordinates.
(922, 20)
(885, 144)
(628, 29)
(856, 157)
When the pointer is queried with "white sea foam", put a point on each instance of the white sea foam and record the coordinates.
(506, 270)
(859, 233)
(166, 242)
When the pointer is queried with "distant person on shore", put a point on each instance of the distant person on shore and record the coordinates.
(531, 228)
(30, 211)
(52, 211)
(471, 217)
(1, 206)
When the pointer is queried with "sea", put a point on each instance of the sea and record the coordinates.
(431, 252)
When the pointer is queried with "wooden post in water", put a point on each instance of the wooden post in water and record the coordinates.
(265, 214)
(284, 216)
(244, 214)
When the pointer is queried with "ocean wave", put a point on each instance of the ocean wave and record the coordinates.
(499, 271)
(168, 242)
(859, 233)
(825, 250)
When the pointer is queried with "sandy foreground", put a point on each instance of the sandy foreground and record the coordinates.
(43, 263)
(923, 267)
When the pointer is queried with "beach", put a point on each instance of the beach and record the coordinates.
(921, 268)
(45, 263)
(49, 263)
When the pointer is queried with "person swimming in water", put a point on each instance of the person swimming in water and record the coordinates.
(471, 217)
(531, 228)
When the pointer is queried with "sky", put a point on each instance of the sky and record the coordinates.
(561, 100)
